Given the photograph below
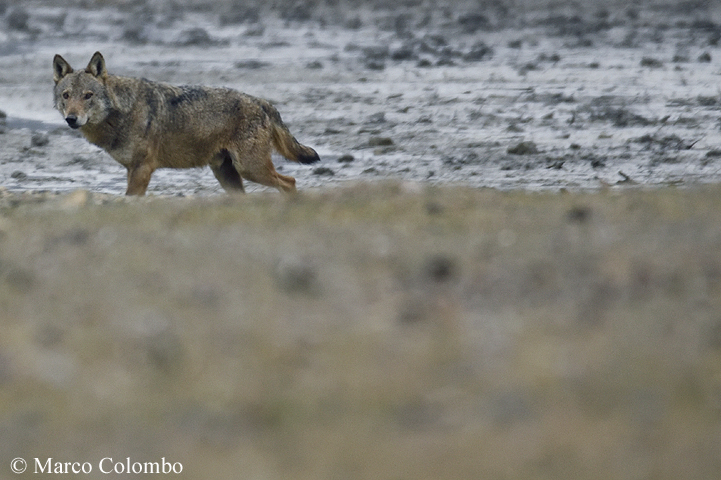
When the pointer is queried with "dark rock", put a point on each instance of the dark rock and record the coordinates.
(380, 142)
(323, 171)
(597, 163)
(523, 148)
(553, 58)
(39, 139)
(375, 64)
(679, 58)
(651, 62)
(405, 52)
(707, 101)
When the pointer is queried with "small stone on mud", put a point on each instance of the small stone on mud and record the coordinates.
(651, 62)
(404, 52)
(346, 158)
(523, 148)
(39, 139)
(19, 175)
(375, 65)
(597, 163)
(323, 171)
(380, 142)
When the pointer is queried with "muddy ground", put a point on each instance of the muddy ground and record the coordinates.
(395, 320)
(510, 95)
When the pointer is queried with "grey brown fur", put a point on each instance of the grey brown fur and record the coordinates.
(146, 125)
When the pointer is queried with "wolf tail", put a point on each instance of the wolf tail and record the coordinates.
(284, 142)
(289, 147)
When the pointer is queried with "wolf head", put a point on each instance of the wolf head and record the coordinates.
(81, 97)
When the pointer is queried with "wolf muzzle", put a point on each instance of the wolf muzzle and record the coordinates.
(73, 121)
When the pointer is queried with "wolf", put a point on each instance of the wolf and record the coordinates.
(145, 125)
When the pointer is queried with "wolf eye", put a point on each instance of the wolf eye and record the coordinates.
(66, 95)
(88, 95)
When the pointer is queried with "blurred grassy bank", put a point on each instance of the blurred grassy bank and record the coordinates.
(389, 332)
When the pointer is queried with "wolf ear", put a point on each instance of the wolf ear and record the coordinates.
(96, 67)
(60, 68)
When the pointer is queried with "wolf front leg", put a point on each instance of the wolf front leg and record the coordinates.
(139, 178)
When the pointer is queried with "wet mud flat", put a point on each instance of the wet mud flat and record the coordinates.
(375, 331)
(530, 95)
(396, 319)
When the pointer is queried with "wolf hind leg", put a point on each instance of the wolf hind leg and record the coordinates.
(225, 172)
(256, 165)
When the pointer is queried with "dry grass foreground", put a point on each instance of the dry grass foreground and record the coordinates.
(368, 332)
